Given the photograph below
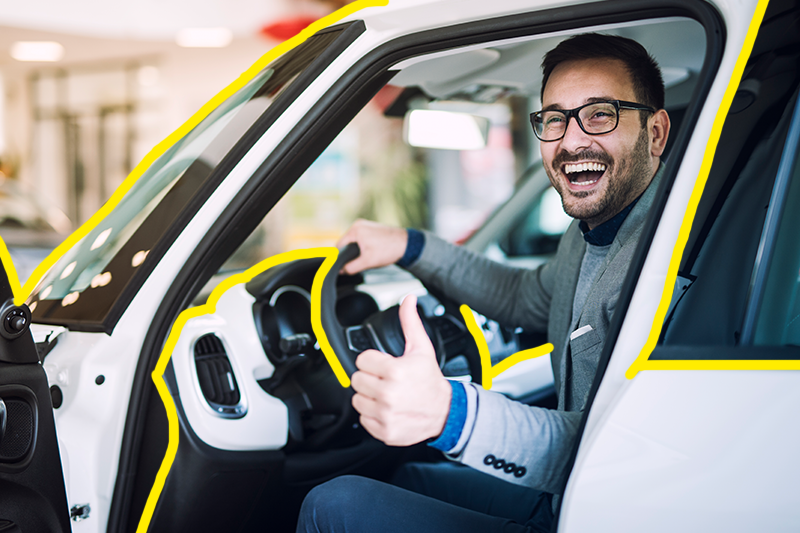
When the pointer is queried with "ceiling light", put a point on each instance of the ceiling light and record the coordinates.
(204, 37)
(148, 76)
(101, 239)
(70, 298)
(37, 51)
(139, 257)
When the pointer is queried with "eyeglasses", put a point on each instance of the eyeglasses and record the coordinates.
(595, 118)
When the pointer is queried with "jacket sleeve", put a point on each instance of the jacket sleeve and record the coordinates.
(525, 445)
(512, 296)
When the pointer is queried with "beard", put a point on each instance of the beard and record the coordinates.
(625, 180)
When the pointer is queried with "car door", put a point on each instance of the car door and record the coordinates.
(703, 435)
(32, 494)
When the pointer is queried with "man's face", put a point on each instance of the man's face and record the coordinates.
(621, 163)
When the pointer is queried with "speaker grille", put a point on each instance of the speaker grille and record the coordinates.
(19, 430)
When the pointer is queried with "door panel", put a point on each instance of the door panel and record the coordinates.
(694, 451)
(32, 494)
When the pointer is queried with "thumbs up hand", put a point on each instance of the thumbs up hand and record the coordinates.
(402, 400)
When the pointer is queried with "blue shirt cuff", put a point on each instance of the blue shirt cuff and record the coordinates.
(455, 419)
(416, 242)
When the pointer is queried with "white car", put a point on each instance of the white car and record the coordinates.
(692, 421)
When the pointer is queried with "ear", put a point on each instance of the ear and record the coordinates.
(659, 132)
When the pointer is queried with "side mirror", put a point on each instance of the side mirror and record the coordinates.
(445, 130)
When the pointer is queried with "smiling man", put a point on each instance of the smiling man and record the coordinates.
(603, 130)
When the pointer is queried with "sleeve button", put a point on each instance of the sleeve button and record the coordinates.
(509, 468)
(520, 471)
(489, 459)
(498, 464)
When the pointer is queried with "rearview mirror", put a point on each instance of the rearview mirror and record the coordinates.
(445, 130)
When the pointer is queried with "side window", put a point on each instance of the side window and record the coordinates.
(725, 255)
(540, 228)
(778, 313)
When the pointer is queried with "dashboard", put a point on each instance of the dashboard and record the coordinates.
(251, 375)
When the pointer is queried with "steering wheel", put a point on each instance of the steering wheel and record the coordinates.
(336, 334)
(382, 331)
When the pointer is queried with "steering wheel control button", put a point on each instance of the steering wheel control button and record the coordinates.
(509, 468)
(520, 471)
(489, 460)
(360, 338)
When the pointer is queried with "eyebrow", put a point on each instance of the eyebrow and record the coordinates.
(591, 100)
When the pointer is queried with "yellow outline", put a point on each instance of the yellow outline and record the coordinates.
(643, 362)
(119, 193)
(489, 372)
(330, 254)
(157, 151)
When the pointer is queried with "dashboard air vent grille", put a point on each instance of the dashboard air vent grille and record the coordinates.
(214, 372)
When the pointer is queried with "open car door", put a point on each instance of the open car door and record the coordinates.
(32, 493)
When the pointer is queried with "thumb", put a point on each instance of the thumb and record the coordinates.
(417, 340)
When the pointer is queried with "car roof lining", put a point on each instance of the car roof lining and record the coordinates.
(507, 63)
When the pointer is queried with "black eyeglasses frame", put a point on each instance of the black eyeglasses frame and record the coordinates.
(573, 113)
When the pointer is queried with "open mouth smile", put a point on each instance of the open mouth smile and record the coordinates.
(583, 175)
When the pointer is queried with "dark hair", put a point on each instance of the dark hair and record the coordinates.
(648, 85)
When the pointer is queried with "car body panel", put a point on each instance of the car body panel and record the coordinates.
(672, 456)
(660, 410)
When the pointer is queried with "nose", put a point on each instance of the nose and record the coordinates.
(575, 139)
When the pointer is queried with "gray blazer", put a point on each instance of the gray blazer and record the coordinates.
(540, 440)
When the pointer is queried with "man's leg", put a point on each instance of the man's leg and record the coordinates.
(465, 487)
(351, 504)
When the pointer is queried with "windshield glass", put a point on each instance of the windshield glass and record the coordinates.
(87, 281)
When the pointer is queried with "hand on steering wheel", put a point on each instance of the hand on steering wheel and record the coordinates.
(402, 400)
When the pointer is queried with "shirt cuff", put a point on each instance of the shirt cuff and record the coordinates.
(456, 418)
(469, 421)
(416, 242)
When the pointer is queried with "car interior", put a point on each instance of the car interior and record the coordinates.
(254, 487)
(720, 283)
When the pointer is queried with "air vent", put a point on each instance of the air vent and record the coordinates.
(216, 378)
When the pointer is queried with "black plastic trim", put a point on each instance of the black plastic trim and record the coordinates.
(25, 394)
(725, 353)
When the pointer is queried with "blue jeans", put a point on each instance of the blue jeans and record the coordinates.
(425, 497)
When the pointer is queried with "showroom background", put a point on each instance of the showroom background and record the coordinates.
(78, 115)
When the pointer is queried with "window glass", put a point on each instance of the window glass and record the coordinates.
(778, 322)
(540, 230)
(86, 282)
(369, 172)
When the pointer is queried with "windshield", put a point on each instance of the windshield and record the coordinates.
(87, 282)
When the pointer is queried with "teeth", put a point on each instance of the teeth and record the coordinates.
(584, 167)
